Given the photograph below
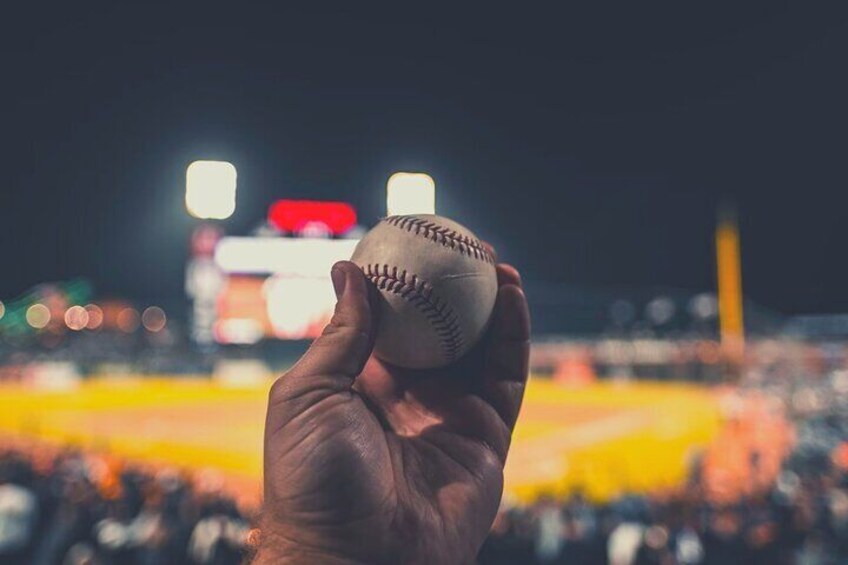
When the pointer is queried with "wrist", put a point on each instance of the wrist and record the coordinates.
(298, 556)
(276, 549)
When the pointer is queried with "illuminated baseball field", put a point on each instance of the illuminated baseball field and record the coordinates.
(603, 438)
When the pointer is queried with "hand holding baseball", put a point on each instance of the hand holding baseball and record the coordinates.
(366, 462)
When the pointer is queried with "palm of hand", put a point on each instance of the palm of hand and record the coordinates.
(403, 466)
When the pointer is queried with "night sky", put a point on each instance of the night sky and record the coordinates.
(591, 145)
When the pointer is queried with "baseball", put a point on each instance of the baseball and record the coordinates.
(437, 285)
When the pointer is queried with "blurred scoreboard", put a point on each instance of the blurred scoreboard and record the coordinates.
(277, 285)
(274, 287)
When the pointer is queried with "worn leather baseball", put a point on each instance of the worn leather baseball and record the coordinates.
(437, 285)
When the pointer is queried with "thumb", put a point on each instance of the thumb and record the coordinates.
(339, 354)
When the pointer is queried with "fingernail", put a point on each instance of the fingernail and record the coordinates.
(339, 280)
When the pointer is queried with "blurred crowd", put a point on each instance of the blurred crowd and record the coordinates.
(72, 508)
(798, 516)
(772, 489)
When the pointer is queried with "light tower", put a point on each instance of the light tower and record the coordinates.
(210, 195)
(729, 275)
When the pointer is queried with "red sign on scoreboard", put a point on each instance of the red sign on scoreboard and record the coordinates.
(296, 215)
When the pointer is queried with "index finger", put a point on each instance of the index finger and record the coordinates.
(491, 250)
(507, 353)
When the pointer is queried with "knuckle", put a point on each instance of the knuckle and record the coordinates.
(494, 457)
(335, 335)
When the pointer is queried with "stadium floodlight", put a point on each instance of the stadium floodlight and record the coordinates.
(410, 193)
(211, 189)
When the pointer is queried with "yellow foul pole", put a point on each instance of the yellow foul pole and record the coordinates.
(729, 285)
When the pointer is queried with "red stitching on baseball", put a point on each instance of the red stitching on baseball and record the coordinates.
(442, 235)
(419, 293)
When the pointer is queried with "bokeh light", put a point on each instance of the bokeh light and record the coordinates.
(153, 319)
(128, 320)
(622, 312)
(76, 318)
(298, 307)
(95, 316)
(704, 306)
(660, 310)
(38, 316)
(2, 309)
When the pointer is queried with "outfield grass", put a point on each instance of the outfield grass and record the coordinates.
(602, 438)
